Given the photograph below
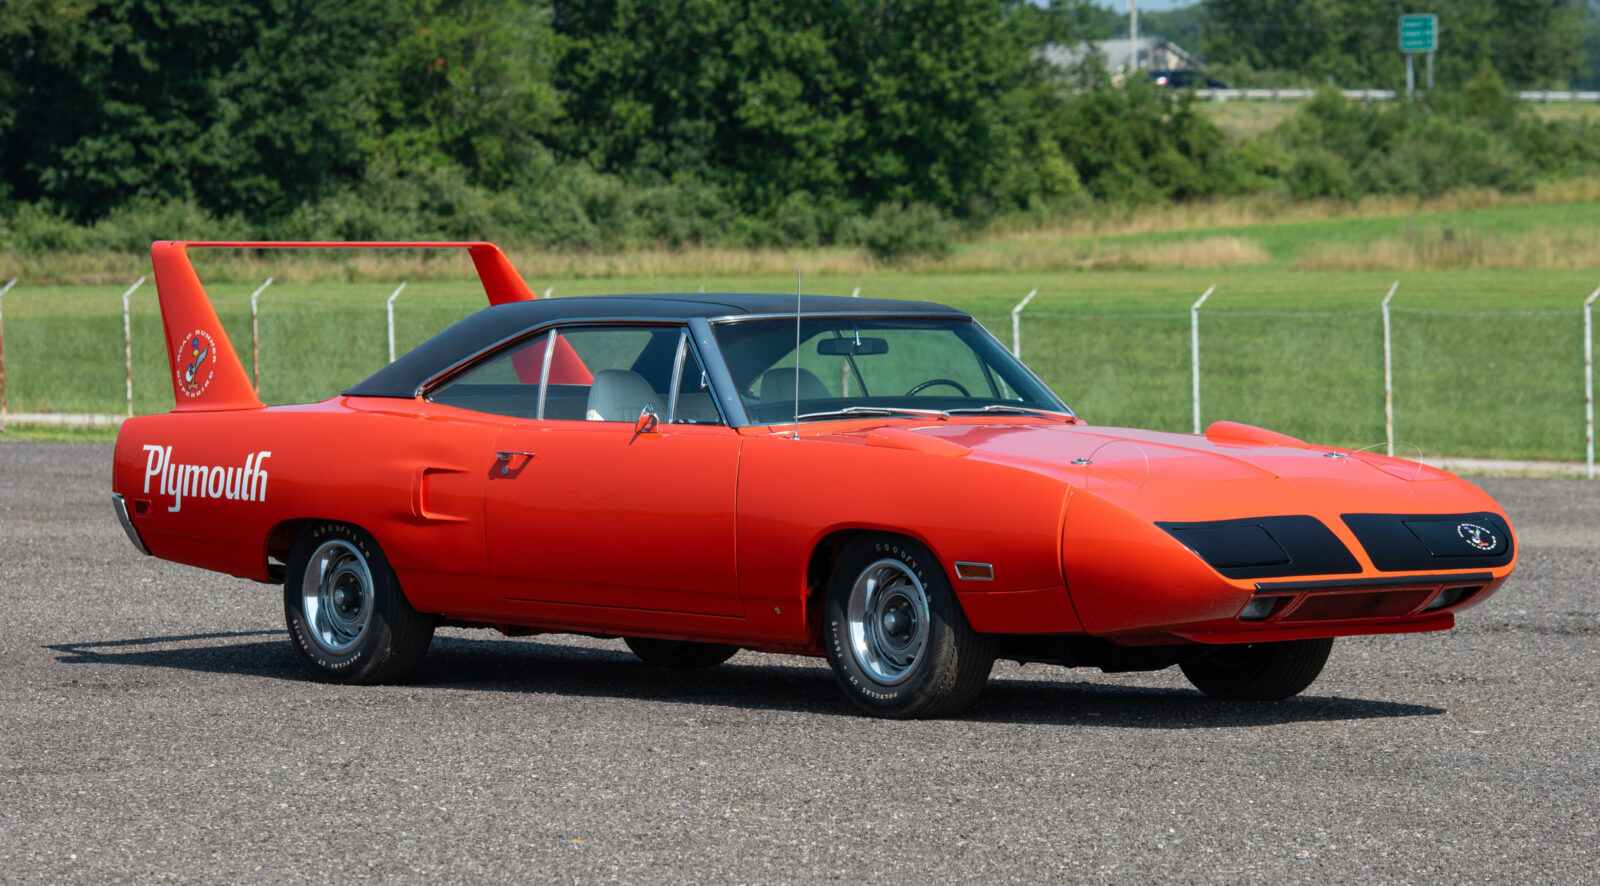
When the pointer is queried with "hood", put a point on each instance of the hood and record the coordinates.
(1231, 470)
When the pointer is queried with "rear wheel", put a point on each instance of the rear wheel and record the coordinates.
(1259, 671)
(679, 653)
(899, 644)
(348, 619)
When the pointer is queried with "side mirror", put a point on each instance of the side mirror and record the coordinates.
(646, 422)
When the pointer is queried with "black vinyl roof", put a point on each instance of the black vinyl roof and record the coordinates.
(492, 325)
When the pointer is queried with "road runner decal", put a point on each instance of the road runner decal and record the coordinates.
(200, 349)
(247, 483)
(1477, 536)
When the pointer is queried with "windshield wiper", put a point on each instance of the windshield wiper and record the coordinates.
(1009, 410)
(876, 410)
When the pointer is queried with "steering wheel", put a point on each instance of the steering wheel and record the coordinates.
(916, 389)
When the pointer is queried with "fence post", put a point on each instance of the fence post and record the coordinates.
(856, 292)
(3, 290)
(548, 290)
(1588, 377)
(1016, 323)
(1388, 373)
(1194, 350)
(127, 341)
(255, 335)
(388, 307)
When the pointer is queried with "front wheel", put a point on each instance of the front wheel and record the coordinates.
(899, 644)
(1259, 671)
(348, 619)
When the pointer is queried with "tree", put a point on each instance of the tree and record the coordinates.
(703, 90)
(1589, 51)
(240, 106)
(1535, 42)
(1355, 42)
(466, 83)
(861, 100)
(33, 30)
(1068, 22)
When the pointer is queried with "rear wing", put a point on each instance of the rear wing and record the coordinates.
(206, 371)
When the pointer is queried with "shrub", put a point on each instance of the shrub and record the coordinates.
(1318, 172)
(895, 231)
(683, 213)
(36, 228)
(134, 225)
(393, 204)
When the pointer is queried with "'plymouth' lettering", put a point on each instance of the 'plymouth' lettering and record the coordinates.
(247, 483)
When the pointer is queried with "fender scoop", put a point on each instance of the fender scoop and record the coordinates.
(900, 438)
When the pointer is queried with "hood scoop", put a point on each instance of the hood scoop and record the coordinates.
(1236, 434)
(911, 441)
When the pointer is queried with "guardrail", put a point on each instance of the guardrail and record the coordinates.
(1554, 95)
(1278, 95)
(1547, 96)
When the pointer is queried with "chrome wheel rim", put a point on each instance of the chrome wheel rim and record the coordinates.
(888, 617)
(336, 596)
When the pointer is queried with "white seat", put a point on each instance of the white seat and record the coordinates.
(777, 386)
(620, 395)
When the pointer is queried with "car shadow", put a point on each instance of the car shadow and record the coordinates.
(748, 683)
(222, 652)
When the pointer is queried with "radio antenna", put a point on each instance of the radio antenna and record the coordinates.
(799, 280)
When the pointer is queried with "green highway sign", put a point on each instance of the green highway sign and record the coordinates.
(1419, 32)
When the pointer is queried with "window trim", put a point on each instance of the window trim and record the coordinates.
(677, 375)
(544, 371)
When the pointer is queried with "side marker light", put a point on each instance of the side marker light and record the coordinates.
(974, 571)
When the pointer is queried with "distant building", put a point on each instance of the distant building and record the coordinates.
(1155, 54)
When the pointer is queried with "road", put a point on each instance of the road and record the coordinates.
(157, 727)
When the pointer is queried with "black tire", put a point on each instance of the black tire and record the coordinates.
(899, 644)
(679, 653)
(1259, 671)
(347, 616)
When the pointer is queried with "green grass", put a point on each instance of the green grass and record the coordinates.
(1286, 242)
(1487, 363)
(1248, 119)
(59, 434)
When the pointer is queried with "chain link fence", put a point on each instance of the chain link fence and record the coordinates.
(1489, 383)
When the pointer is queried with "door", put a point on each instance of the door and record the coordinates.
(585, 505)
(589, 512)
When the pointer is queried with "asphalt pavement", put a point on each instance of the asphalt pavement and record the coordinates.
(155, 726)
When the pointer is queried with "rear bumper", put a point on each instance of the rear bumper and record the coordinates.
(121, 508)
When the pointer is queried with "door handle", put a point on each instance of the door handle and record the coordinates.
(504, 457)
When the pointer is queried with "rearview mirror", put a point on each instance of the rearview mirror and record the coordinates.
(850, 347)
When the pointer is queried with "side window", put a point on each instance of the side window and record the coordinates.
(627, 368)
(594, 373)
(505, 385)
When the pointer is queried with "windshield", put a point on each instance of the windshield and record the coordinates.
(860, 365)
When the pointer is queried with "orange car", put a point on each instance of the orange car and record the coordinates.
(880, 482)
